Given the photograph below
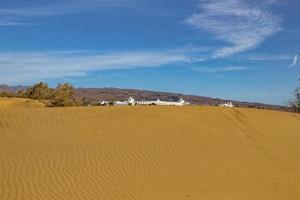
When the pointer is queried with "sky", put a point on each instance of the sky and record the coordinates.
(234, 49)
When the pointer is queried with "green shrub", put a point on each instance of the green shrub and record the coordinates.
(63, 95)
(39, 91)
(295, 102)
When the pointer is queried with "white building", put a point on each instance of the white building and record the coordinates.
(158, 102)
(227, 105)
(103, 103)
(121, 103)
(144, 103)
(129, 102)
(181, 102)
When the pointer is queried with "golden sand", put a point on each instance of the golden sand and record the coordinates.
(155, 153)
(19, 103)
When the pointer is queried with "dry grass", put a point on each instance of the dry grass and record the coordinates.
(155, 153)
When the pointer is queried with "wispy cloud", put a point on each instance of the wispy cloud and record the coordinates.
(25, 15)
(244, 25)
(25, 67)
(268, 57)
(220, 69)
(295, 61)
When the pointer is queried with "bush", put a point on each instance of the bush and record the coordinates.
(7, 94)
(63, 95)
(39, 91)
(22, 93)
(295, 102)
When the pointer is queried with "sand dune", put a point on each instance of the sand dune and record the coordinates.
(157, 153)
(19, 103)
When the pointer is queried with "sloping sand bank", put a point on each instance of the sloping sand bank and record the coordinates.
(155, 153)
(19, 103)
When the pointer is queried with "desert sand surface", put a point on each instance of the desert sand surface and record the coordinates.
(153, 153)
(19, 103)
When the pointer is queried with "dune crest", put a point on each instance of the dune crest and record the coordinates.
(165, 153)
(19, 103)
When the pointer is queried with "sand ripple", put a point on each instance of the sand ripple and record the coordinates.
(148, 153)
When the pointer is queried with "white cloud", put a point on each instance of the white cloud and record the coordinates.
(24, 16)
(17, 68)
(295, 61)
(220, 69)
(241, 24)
(267, 57)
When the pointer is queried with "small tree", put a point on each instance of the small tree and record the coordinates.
(63, 95)
(295, 102)
(22, 93)
(39, 91)
(85, 101)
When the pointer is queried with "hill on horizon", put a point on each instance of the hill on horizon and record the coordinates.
(94, 95)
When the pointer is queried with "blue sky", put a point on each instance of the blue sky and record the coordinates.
(233, 49)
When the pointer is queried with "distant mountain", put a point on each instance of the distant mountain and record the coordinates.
(95, 95)
(6, 88)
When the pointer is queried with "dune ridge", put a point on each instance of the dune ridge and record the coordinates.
(19, 103)
(148, 153)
